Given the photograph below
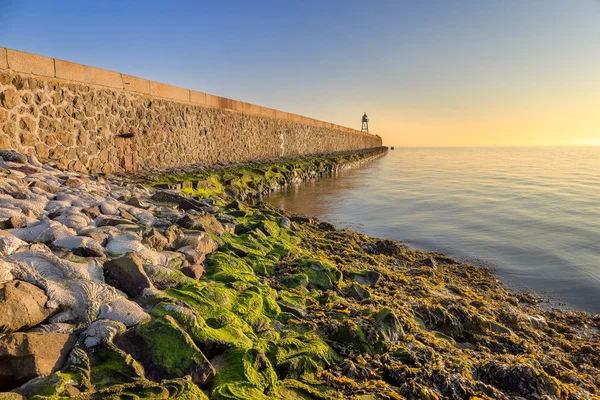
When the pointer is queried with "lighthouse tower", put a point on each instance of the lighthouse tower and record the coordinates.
(365, 124)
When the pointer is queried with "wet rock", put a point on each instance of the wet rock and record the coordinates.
(80, 245)
(22, 305)
(357, 292)
(326, 226)
(166, 351)
(13, 156)
(154, 239)
(369, 278)
(240, 229)
(430, 262)
(127, 274)
(195, 271)
(536, 321)
(388, 326)
(24, 356)
(206, 223)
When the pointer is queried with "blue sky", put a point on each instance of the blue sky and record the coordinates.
(428, 72)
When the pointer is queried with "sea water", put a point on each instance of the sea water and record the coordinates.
(532, 215)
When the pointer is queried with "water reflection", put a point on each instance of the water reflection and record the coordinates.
(530, 213)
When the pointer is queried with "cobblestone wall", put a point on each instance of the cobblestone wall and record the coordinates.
(98, 128)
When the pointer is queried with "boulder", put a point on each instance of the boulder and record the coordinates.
(156, 240)
(172, 233)
(206, 223)
(124, 311)
(104, 220)
(174, 197)
(137, 202)
(430, 262)
(13, 156)
(24, 356)
(195, 271)
(166, 351)
(102, 331)
(195, 247)
(369, 278)
(388, 326)
(357, 292)
(92, 212)
(22, 305)
(43, 232)
(80, 245)
(285, 223)
(13, 222)
(127, 274)
(9, 243)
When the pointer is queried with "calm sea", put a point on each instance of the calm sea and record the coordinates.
(532, 215)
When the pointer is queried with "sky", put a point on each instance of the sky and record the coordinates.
(427, 72)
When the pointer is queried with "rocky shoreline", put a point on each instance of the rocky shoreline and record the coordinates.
(171, 285)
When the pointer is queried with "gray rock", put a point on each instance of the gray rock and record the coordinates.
(123, 244)
(285, 223)
(102, 331)
(80, 245)
(43, 232)
(123, 311)
(9, 243)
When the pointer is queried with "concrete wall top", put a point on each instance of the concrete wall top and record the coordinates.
(28, 63)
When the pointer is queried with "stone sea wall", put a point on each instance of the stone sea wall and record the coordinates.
(92, 120)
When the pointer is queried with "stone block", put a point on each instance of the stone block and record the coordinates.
(30, 63)
(92, 75)
(169, 92)
(225, 103)
(198, 97)
(237, 105)
(3, 58)
(267, 112)
(212, 100)
(134, 84)
(281, 114)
